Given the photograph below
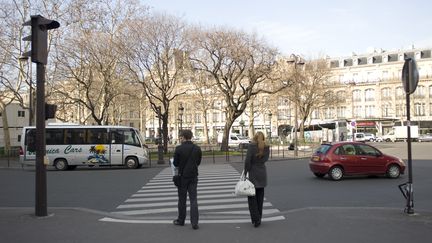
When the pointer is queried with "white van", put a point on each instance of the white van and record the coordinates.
(235, 140)
(69, 146)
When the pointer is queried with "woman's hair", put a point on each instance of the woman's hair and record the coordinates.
(259, 139)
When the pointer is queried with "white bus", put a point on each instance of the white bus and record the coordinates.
(68, 146)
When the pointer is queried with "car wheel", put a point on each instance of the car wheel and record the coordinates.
(131, 163)
(319, 175)
(393, 171)
(61, 164)
(336, 173)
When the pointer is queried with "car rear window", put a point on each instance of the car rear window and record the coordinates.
(323, 149)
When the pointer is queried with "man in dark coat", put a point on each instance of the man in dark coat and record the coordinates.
(187, 158)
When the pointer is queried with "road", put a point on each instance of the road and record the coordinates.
(107, 205)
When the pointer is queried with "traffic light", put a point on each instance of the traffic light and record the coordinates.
(50, 111)
(39, 35)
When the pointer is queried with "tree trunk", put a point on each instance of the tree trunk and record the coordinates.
(206, 135)
(5, 129)
(165, 132)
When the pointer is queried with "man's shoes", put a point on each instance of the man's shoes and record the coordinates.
(195, 227)
(257, 223)
(177, 222)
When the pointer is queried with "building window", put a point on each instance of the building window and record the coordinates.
(425, 54)
(362, 61)
(348, 62)
(430, 94)
(430, 109)
(370, 95)
(419, 109)
(419, 92)
(341, 110)
(215, 117)
(386, 94)
(334, 64)
(408, 55)
(283, 101)
(197, 117)
(356, 95)
(315, 114)
(369, 111)
(329, 113)
(377, 59)
(21, 113)
(400, 93)
(385, 110)
(400, 110)
(131, 124)
(283, 114)
(392, 58)
(357, 111)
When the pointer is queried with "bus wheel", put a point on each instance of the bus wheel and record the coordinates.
(61, 164)
(131, 163)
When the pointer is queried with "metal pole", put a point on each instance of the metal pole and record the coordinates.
(410, 197)
(160, 147)
(41, 185)
(295, 132)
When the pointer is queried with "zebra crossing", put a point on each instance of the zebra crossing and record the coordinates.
(156, 202)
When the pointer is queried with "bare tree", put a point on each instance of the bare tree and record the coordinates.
(309, 91)
(88, 60)
(204, 88)
(156, 58)
(242, 66)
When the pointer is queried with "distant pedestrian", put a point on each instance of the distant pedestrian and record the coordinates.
(187, 157)
(341, 137)
(256, 156)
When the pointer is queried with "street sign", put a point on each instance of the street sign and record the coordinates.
(410, 76)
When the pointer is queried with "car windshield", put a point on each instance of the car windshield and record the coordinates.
(323, 149)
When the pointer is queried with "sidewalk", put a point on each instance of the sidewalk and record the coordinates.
(313, 224)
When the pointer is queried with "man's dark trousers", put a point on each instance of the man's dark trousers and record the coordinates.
(188, 185)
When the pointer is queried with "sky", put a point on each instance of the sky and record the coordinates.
(314, 28)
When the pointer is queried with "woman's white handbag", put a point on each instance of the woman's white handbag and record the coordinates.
(244, 186)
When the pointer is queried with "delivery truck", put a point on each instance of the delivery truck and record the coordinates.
(400, 133)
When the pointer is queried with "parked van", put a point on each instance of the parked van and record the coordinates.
(235, 140)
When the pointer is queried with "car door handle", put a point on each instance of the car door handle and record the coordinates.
(343, 158)
(118, 150)
(362, 158)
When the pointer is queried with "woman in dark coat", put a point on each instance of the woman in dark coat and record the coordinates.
(257, 154)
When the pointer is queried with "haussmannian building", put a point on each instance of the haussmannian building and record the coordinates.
(373, 99)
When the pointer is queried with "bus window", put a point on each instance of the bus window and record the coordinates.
(54, 136)
(97, 136)
(131, 138)
(30, 140)
(116, 136)
(75, 136)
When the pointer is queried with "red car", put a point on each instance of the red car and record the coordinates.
(353, 158)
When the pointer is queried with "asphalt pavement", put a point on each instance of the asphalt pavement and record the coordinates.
(310, 224)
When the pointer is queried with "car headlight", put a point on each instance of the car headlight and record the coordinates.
(401, 161)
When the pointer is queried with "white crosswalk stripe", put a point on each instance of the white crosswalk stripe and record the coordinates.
(156, 202)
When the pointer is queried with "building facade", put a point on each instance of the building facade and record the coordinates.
(372, 99)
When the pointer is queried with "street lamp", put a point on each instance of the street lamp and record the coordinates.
(29, 75)
(270, 133)
(296, 60)
(181, 112)
(160, 147)
(242, 123)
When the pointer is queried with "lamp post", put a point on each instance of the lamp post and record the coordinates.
(160, 147)
(29, 75)
(297, 61)
(242, 123)
(270, 133)
(181, 112)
